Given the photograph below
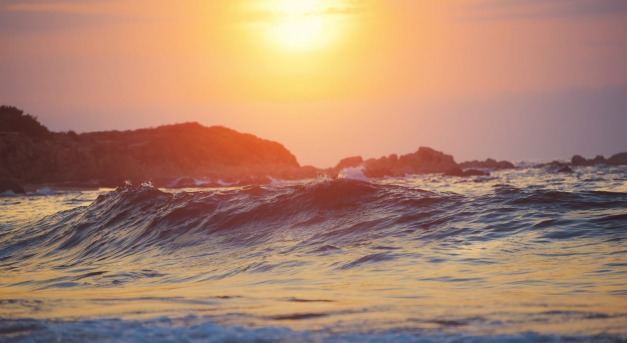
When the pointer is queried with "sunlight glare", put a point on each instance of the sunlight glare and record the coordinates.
(302, 25)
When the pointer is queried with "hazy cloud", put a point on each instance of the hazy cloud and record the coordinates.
(70, 6)
(48, 15)
(23, 22)
(351, 8)
(507, 9)
(344, 10)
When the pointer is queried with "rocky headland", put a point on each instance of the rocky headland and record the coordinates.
(192, 155)
(169, 156)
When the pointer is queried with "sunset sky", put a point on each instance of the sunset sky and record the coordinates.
(524, 79)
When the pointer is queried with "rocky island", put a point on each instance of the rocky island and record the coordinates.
(424, 161)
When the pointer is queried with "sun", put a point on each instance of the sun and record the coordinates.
(298, 34)
(303, 25)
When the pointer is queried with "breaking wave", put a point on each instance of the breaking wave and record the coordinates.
(271, 262)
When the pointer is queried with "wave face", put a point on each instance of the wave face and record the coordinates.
(524, 255)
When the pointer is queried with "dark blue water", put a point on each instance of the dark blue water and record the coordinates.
(522, 255)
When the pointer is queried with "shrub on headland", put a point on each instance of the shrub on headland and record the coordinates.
(12, 119)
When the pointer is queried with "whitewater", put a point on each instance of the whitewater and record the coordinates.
(522, 255)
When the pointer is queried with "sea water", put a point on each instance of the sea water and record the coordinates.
(521, 255)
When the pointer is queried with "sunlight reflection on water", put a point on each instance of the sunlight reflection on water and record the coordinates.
(519, 251)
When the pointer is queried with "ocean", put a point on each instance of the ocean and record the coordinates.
(523, 255)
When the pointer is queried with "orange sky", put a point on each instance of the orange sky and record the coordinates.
(331, 78)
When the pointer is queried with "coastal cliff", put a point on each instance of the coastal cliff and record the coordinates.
(179, 155)
(192, 155)
(166, 155)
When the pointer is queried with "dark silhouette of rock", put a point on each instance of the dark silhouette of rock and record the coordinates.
(505, 165)
(565, 169)
(13, 119)
(191, 155)
(599, 159)
(578, 160)
(349, 162)
(382, 167)
(487, 164)
(170, 152)
(423, 161)
(310, 171)
(555, 167)
(7, 185)
(457, 171)
(619, 159)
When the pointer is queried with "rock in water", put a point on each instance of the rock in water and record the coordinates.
(424, 161)
(578, 160)
(618, 159)
(465, 173)
(565, 169)
(8, 185)
(487, 164)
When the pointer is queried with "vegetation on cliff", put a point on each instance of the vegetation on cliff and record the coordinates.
(162, 155)
(12, 119)
(190, 155)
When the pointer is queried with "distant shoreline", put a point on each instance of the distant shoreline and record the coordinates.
(191, 155)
